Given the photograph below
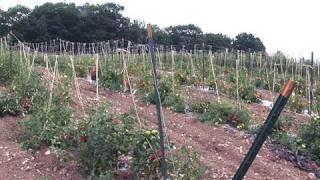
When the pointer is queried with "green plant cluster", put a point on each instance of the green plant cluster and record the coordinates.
(9, 104)
(167, 96)
(310, 136)
(306, 142)
(296, 103)
(107, 138)
(9, 67)
(221, 113)
(111, 79)
(49, 124)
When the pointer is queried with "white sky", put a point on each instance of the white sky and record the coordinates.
(286, 25)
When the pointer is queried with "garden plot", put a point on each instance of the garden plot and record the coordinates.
(67, 111)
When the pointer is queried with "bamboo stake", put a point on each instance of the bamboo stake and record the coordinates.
(52, 82)
(172, 68)
(237, 79)
(77, 85)
(214, 75)
(130, 88)
(97, 77)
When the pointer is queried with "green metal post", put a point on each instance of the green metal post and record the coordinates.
(265, 130)
(158, 104)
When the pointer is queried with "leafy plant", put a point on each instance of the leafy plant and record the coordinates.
(9, 104)
(187, 165)
(289, 141)
(167, 96)
(248, 93)
(111, 79)
(175, 102)
(48, 125)
(310, 136)
(283, 123)
(9, 67)
(200, 106)
(146, 155)
(220, 113)
(106, 141)
(296, 103)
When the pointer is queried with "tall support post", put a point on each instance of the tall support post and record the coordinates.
(266, 130)
(311, 83)
(203, 73)
(158, 103)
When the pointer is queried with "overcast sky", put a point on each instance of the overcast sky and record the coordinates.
(287, 25)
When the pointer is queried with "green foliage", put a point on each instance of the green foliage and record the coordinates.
(220, 113)
(182, 164)
(111, 79)
(296, 103)
(301, 85)
(253, 129)
(28, 87)
(185, 34)
(82, 66)
(317, 95)
(9, 104)
(188, 165)
(289, 141)
(24, 91)
(310, 136)
(109, 138)
(9, 67)
(49, 125)
(175, 102)
(248, 94)
(259, 83)
(184, 77)
(217, 40)
(200, 106)
(107, 141)
(146, 154)
(307, 141)
(247, 91)
(245, 41)
(168, 97)
(283, 123)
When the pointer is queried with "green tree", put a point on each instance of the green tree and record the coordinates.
(137, 32)
(217, 40)
(187, 35)
(4, 26)
(245, 41)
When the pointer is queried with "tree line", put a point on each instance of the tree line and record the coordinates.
(93, 23)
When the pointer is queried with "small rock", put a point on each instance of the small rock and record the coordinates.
(25, 161)
(311, 176)
(240, 149)
(28, 168)
(47, 152)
